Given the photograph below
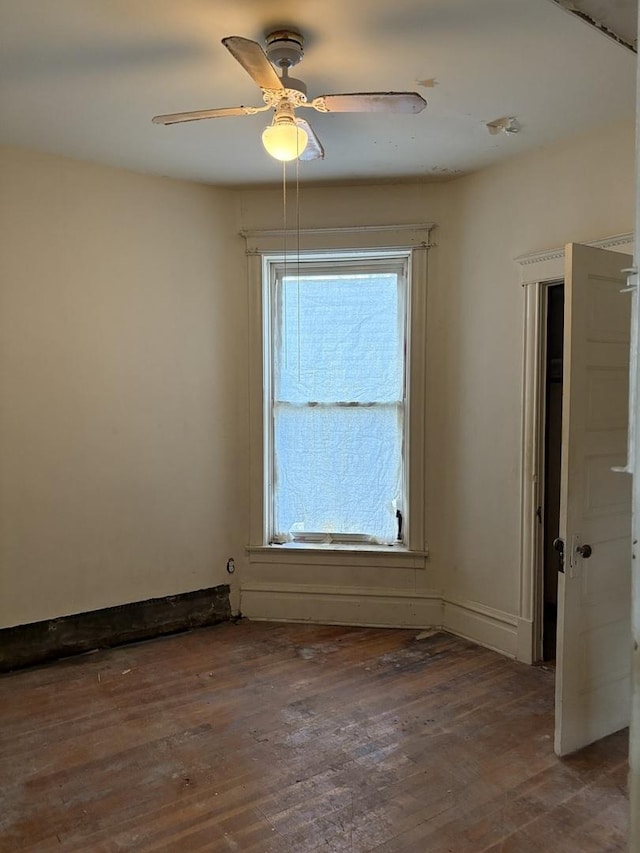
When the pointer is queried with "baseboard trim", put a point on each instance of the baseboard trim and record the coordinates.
(383, 608)
(37, 642)
(366, 606)
(484, 625)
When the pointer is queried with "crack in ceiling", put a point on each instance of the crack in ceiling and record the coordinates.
(617, 20)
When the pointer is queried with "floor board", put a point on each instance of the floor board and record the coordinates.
(260, 737)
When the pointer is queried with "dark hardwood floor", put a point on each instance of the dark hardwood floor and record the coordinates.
(296, 738)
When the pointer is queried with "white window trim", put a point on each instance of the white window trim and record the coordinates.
(261, 244)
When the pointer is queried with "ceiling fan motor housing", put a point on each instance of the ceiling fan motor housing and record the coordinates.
(285, 48)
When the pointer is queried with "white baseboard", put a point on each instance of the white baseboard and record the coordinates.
(386, 608)
(371, 607)
(486, 626)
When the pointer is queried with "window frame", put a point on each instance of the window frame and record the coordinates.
(275, 267)
(362, 242)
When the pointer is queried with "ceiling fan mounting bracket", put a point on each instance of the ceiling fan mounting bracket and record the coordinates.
(276, 97)
(285, 48)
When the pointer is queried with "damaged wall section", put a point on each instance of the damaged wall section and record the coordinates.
(25, 645)
(617, 19)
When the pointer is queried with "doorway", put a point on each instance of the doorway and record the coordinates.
(549, 512)
(593, 592)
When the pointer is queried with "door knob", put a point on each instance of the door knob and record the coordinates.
(585, 551)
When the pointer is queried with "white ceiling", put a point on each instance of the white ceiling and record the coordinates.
(83, 78)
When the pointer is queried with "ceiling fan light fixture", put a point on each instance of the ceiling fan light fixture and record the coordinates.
(284, 140)
(289, 137)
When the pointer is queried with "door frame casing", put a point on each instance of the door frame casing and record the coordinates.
(538, 270)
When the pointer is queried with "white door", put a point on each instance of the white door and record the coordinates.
(594, 592)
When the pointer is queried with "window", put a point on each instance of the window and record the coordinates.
(337, 356)
(336, 398)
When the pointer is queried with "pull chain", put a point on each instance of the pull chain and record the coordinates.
(298, 256)
(284, 275)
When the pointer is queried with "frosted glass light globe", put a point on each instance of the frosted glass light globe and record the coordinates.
(284, 140)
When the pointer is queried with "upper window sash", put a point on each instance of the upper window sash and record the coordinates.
(339, 265)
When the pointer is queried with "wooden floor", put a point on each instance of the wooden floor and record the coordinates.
(259, 737)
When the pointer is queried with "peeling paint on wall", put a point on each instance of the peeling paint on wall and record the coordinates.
(618, 20)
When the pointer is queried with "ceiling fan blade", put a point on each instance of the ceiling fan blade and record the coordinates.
(254, 61)
(196, 115)
(314, 149)
(371, 102)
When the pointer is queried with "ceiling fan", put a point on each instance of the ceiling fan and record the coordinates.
(289, 137)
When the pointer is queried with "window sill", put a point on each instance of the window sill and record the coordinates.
(336, 554)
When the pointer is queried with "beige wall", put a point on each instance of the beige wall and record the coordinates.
(122, 341)
(581, 189)
(123, 372)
